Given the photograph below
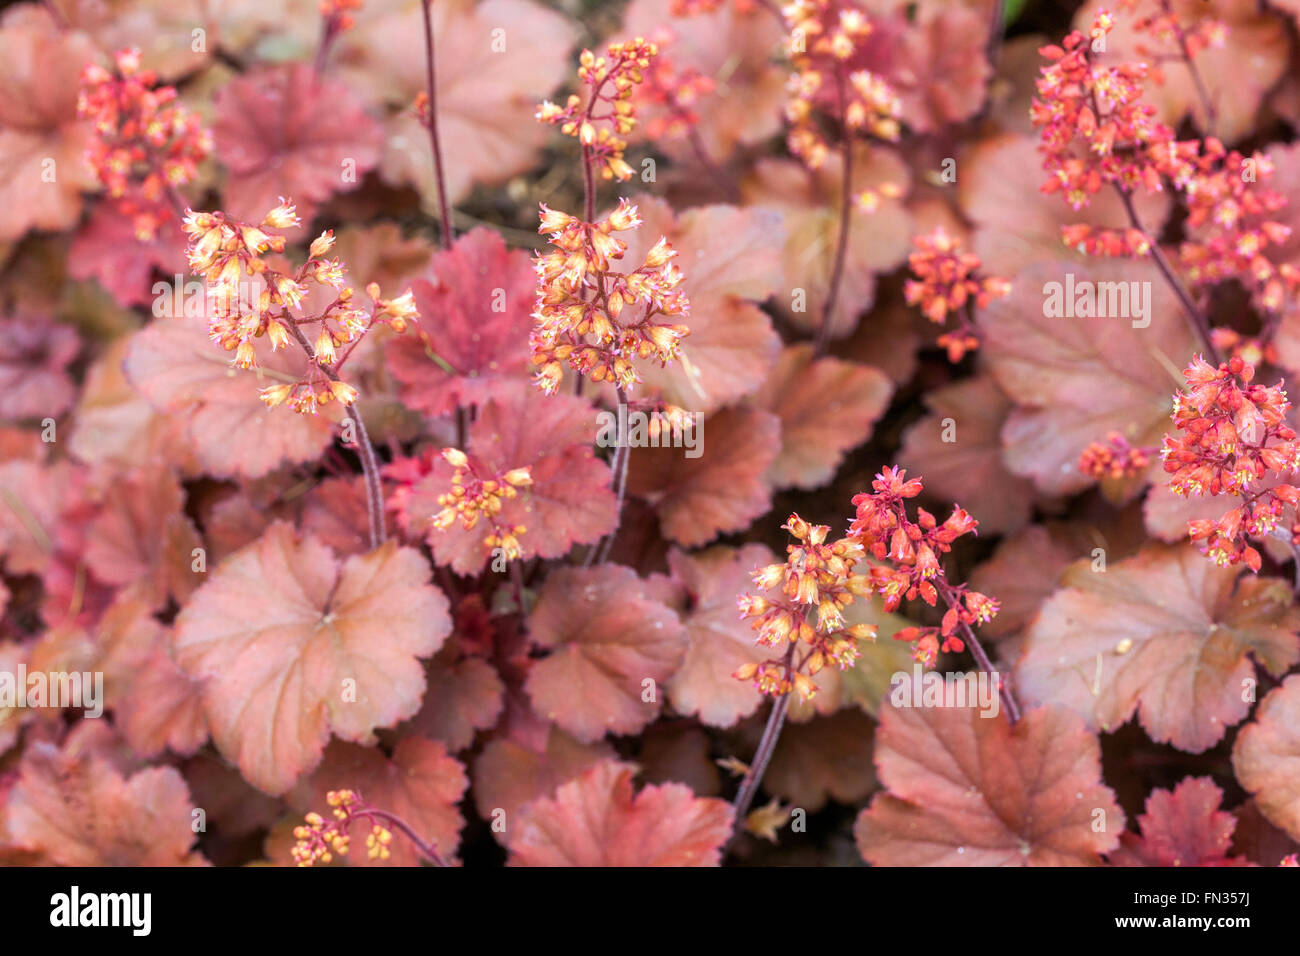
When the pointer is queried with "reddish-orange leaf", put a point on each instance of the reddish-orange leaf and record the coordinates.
(231, 432)
(1166, 633)
(108, 250)
(827, 407)
(294, 644)
(720, 641)
(957, 448)
(75, 807)
(723, 488)
(463, 696)
(825, 758)
(472, 338)
(1181, 827)
(419, 783)
(613, 646)
(113, 424)
(1074, 379)
(34, 356)
(39, 130)
(487, 91)
(142, 535)
(286, 130)
(966, 790)
(598, 820)
(1266, 757)
(1016, 224)
(155, 705)
(33, 498)
(509, 774)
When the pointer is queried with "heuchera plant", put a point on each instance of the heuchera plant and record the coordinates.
(452, 438)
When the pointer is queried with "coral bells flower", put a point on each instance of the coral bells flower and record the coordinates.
(595, 319)
(672, 94)
(473, 497)
(248, 299)
(321, 840)
(603, 117)
(1095, 129)
(1174, 40)
(146, 143)
(1114, 459)
(800, 614)
(825, 36)
(1231, 224)
(908, 552)
(948, 282)
(1234, 435)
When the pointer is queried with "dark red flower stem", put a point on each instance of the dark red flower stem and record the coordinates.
(619, 466)
(823, 337)
(427, 850)
(431, 89)
(365, 451)
(763, 755)
(1211, 114)
(981, 658)
(1198, 321)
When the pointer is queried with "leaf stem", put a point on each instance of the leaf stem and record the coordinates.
(444, 207)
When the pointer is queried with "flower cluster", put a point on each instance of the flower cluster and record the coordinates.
(948, 282)
(817, 578)
(909, 567)
(672, 93)
(1167, 29)
(598, 320)
(227, 252)
(1095, 129)
(824, 36)
(1234, 434)
(1231, 226)
(609, 81)
(1115, 458)
(146, 143)
(321, 840)
(1250, 349)
(473, 497)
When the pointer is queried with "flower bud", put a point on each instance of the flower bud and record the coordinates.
(321, 244)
